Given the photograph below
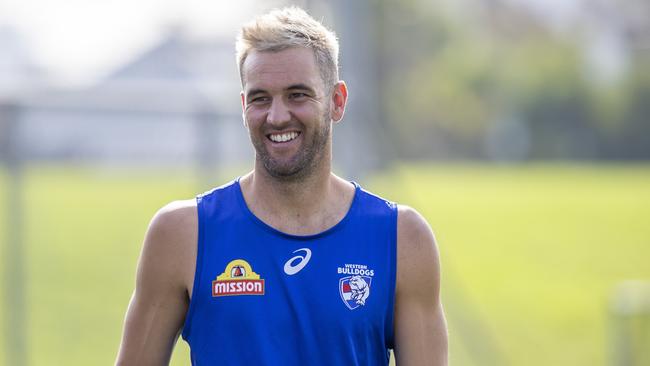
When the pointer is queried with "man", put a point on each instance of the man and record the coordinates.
(289, 264)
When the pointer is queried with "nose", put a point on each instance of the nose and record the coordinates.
(278, 113)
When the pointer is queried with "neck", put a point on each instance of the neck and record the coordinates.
(303, 195)
(304, 206)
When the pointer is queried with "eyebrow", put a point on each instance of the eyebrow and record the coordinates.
(301, 87)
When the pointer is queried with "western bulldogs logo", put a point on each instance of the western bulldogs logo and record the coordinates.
(355, 289)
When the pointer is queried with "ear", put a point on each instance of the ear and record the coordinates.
(339, 101)
(243, 108)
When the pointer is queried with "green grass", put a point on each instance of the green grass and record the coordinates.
(83, 235)
(530, 255)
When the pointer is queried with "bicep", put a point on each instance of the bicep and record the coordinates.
(159, 303)
(420, 335)
(420, 327)
(151, 328)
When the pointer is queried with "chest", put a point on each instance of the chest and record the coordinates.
(333, 282)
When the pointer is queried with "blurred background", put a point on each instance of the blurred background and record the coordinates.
(519, 128)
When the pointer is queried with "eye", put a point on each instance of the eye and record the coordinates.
(298, 95)
(259, 100)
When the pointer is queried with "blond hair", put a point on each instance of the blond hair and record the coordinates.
(290, 27)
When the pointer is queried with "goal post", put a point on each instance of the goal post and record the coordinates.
(630, 337)
(13, 250)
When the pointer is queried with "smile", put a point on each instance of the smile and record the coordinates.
(283, 137)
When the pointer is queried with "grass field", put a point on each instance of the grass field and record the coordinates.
(530, 255)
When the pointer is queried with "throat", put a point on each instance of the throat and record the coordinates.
(304, 225)
(296, 210)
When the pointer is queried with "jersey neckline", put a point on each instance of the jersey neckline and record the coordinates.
(247, 211)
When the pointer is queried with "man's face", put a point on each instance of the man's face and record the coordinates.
(287, 111)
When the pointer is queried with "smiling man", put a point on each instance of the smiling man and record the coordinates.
(289, 264)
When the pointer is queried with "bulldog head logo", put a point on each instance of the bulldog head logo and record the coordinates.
(355, 290)
(360, 289)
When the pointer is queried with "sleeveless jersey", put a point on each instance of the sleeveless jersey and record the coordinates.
(264, 297)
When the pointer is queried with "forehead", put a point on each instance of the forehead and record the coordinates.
(279, 69)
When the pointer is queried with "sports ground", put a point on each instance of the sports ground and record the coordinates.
(530, 254)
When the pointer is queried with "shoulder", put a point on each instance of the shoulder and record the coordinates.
(413, 230)
(420, 327)
(418, 261)
(170, 243)
(374, 203)
(175, 217)
(163, 286)
(173, 227)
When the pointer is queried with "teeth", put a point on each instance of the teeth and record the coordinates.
(283, 137)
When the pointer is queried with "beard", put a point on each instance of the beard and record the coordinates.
(304, 162)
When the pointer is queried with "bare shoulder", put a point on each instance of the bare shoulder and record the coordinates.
(411, 223)
(163, 286)
(417, 251)
(414, 233)
(420, 327)
(176, 215)
(170, 242)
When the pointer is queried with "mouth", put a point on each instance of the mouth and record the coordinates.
(283, 137)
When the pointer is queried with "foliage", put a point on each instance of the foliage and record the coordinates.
(463, 83)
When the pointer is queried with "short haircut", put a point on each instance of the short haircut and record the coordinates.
(290, 27)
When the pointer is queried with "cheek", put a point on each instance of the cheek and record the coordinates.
(307, 111)
(253, 117)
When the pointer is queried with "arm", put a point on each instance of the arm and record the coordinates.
(420, 327)
(163, 283)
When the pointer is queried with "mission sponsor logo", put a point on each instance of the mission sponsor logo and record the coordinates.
(238, 279)
(355, 289)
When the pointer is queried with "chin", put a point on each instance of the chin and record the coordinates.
(288, 172)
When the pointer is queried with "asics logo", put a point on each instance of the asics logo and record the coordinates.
(292, 268)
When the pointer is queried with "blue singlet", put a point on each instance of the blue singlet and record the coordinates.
(264, 297)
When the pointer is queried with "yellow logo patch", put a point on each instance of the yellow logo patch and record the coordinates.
(238, 279)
